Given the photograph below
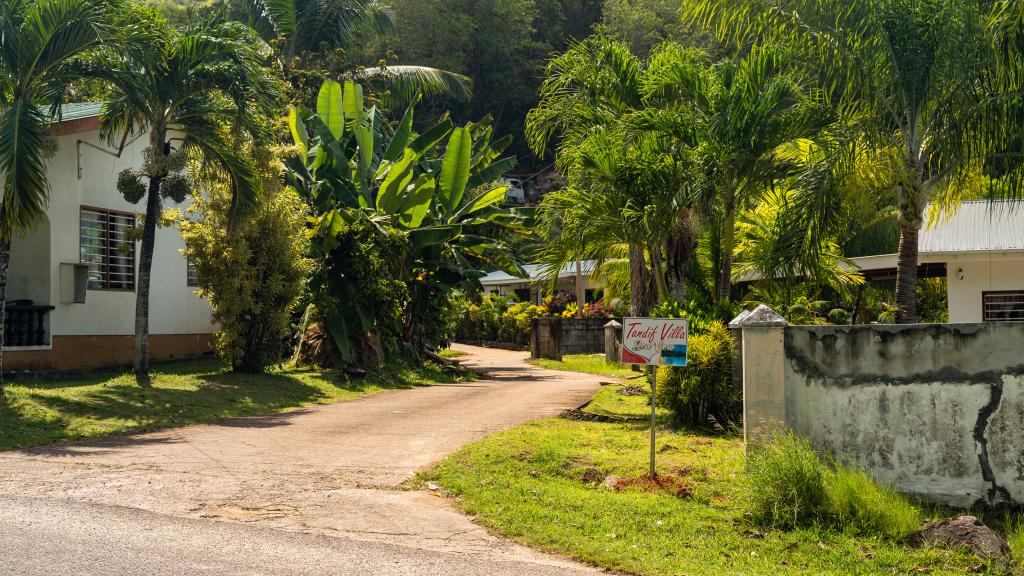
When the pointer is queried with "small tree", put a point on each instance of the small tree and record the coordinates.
(253, 275)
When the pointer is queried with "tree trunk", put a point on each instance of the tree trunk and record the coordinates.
(906, 273)
(581, 294)
(678, 252)
(5, 259)
(658, 271)
(145, 271)
(728, 240)
(641, 294)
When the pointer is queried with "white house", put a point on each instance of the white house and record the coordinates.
(529, 289)
(71, 281)
(980, 251)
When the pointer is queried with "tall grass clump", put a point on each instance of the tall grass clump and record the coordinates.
(1015, 538)
(788, 486)
(862, 506)
(785, 483)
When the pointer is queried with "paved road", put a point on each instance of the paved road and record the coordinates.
(315, 491)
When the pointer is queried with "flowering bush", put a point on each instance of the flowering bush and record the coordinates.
(558, 302)
(599, 310)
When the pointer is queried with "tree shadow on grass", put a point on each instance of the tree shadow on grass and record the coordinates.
(191, 392)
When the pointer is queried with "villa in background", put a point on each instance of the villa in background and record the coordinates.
(71, 280)
(529, 289)
(979, 249)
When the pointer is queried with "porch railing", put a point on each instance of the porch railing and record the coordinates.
(25, 324)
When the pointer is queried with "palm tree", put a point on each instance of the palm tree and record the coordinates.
(742, 109)
(40, 40)
(723, 121)
(913, 77)
(625, 151)
(196, 92)
(302, 30)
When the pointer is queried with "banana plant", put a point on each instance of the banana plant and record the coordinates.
(438, 188)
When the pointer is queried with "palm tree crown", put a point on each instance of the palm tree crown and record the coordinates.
(916, 81)
(40, 42)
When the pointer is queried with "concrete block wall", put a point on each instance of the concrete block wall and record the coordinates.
(583, 335)
(933, 410)
(546, 338)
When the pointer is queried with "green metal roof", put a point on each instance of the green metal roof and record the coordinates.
(79, 110)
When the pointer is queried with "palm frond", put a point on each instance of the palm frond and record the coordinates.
(403, 84)
(23, 149)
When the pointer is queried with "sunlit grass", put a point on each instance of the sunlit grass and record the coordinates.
(588, 363)
(541, 484)
(182, 393)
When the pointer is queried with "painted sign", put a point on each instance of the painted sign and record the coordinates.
(654, 341)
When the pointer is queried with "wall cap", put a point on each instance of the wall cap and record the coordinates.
(763, 316)
(738, 320)
(613, 324)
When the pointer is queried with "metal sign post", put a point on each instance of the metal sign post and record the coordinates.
(653, 342)
(654, 412)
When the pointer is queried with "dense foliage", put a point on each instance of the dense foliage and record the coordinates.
(704, 387)
(422, 203)
(500, 44)
(253, 275)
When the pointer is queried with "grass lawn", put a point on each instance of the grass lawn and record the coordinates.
(449, 353)
(608, 402)
(541, 484)
(589, 363)
(188, 392)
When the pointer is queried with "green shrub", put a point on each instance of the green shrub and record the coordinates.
(705, 385)
(497, 319)
(862, 506)
(254, 275)
(785, 486)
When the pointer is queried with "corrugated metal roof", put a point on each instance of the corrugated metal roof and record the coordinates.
(534, 270)
(78, 110)
(977, 226)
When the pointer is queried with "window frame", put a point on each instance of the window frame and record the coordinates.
(189, 282)
(984, 297)
(106, 240)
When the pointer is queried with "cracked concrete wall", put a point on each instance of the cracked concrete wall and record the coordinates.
(934, 410)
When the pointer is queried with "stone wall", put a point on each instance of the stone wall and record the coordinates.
(934, 410)
(583, 335)
(546, 338)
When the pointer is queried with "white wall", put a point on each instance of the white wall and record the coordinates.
(566, 284)
(27, 273)
(174, 307)
(996, 273)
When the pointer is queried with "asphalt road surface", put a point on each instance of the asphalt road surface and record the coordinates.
(314, 491)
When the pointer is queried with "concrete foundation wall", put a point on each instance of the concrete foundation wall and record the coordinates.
(934, 410)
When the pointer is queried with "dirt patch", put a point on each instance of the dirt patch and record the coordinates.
(246, 513)
(674, 485)
(632, 391)
(592, 475)
(577, 415)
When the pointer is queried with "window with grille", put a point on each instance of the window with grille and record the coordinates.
(191, 274)
(1007, 306)
(107, 247)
